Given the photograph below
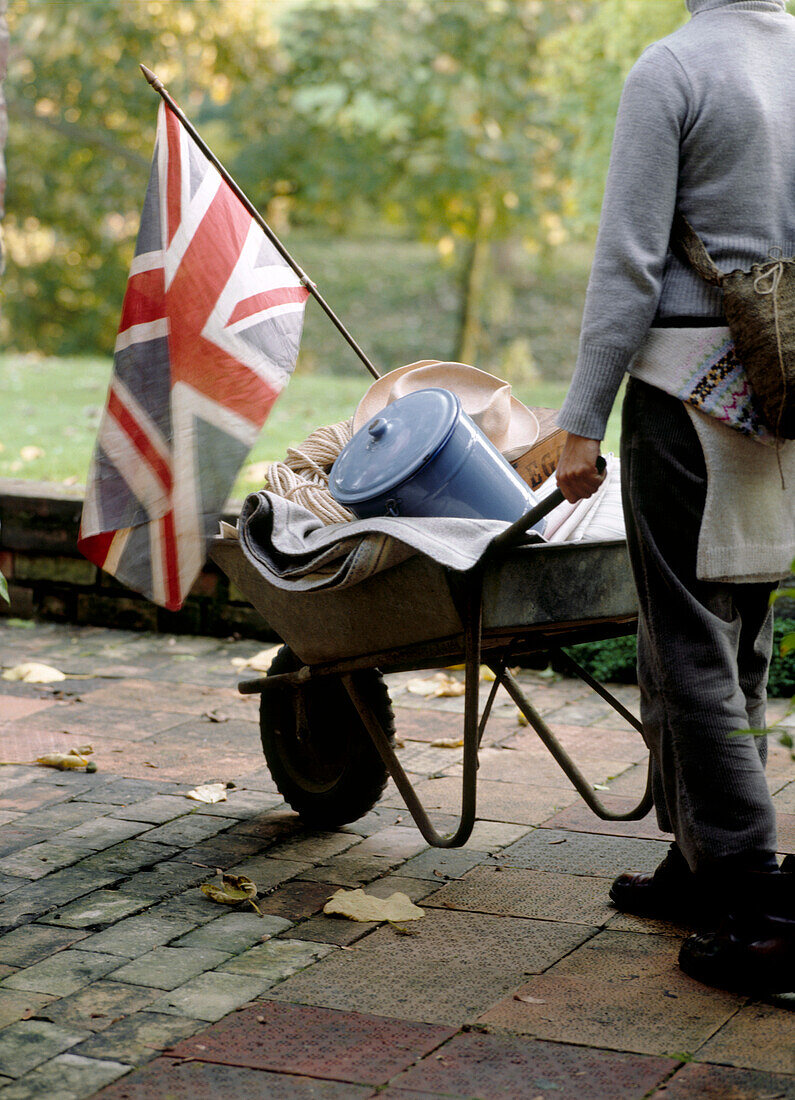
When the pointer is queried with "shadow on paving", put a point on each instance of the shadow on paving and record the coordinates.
(120, 979)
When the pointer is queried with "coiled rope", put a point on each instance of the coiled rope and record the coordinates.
(303, 475)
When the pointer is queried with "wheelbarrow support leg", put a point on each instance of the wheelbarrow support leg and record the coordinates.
(471, 739)
(584, 788)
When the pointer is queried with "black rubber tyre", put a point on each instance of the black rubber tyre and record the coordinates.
(332, 773)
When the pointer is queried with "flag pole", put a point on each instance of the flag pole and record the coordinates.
(158, 86)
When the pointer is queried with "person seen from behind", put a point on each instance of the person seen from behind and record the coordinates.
(705, 129)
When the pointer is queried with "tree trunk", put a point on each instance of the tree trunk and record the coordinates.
(471, 331)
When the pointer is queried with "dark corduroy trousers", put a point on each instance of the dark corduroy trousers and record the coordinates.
(703, 647)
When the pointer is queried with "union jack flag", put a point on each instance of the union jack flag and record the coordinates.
(209, 335)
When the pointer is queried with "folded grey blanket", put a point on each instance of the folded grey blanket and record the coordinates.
(295, 550)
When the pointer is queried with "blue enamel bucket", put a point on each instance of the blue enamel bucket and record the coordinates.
(423, 456)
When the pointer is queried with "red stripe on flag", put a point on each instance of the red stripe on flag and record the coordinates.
(139, 439)
(206, 267)
(96, 547)
(257, 302)
(170, 566)
(174, 178)
(143, 299)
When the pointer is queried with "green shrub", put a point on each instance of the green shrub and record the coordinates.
(782, 669)
(613, 660)
(610, 661)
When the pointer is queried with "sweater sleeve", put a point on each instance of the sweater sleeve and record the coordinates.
(632, 243)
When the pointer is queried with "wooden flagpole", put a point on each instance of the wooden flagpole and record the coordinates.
(158, 86)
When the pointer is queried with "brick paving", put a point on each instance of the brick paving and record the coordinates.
(120, 979)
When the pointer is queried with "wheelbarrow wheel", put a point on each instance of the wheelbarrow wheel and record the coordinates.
(318, 751)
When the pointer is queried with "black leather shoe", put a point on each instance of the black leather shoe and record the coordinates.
(753, 948)
(669, 893)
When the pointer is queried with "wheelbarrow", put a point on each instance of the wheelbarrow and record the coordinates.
(325, 716)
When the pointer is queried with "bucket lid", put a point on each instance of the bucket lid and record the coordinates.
(394, 445)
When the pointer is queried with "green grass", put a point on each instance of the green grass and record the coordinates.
(397, 298)
(51, 409)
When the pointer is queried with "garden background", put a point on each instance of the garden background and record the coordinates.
(435, 165)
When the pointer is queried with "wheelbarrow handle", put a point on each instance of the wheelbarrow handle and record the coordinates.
(514, 534)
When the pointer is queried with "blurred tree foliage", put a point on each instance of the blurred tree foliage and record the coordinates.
(463, 123)
(585, 65)
(80, 141)
(429, 114)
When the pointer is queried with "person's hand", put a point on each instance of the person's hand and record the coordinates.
(576, 472)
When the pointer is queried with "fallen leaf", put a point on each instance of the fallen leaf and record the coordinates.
(402, 930)
(448, 743)
(208, 792)
(486, 675)
(64, 761)
(260, 662)
(32, 673)
(81, 750)
(31, 453)
(233, 890)
(601, 787)
(256, 471)
(421, 687)
(356, 905)
(527, 999)
(216, 716)
(521, 719)
(435, 687)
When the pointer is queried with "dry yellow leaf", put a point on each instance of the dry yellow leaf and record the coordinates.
(30, 672)
(402, 930)
(31, 453)
(62, 760)
(356, 905)
(485, 672)
(255, 471)
(208, 792)
(448, 743)
(233, 890)
(434, 687)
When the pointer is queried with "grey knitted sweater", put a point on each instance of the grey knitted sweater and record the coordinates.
(706, 121)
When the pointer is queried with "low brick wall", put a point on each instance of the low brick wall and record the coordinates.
(48, 578)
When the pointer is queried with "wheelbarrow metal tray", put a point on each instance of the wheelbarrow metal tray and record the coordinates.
(550, 584)
(527, 588)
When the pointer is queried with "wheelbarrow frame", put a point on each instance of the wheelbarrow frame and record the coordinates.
(494, 649)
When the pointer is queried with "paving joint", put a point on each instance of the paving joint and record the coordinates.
(112, 962)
